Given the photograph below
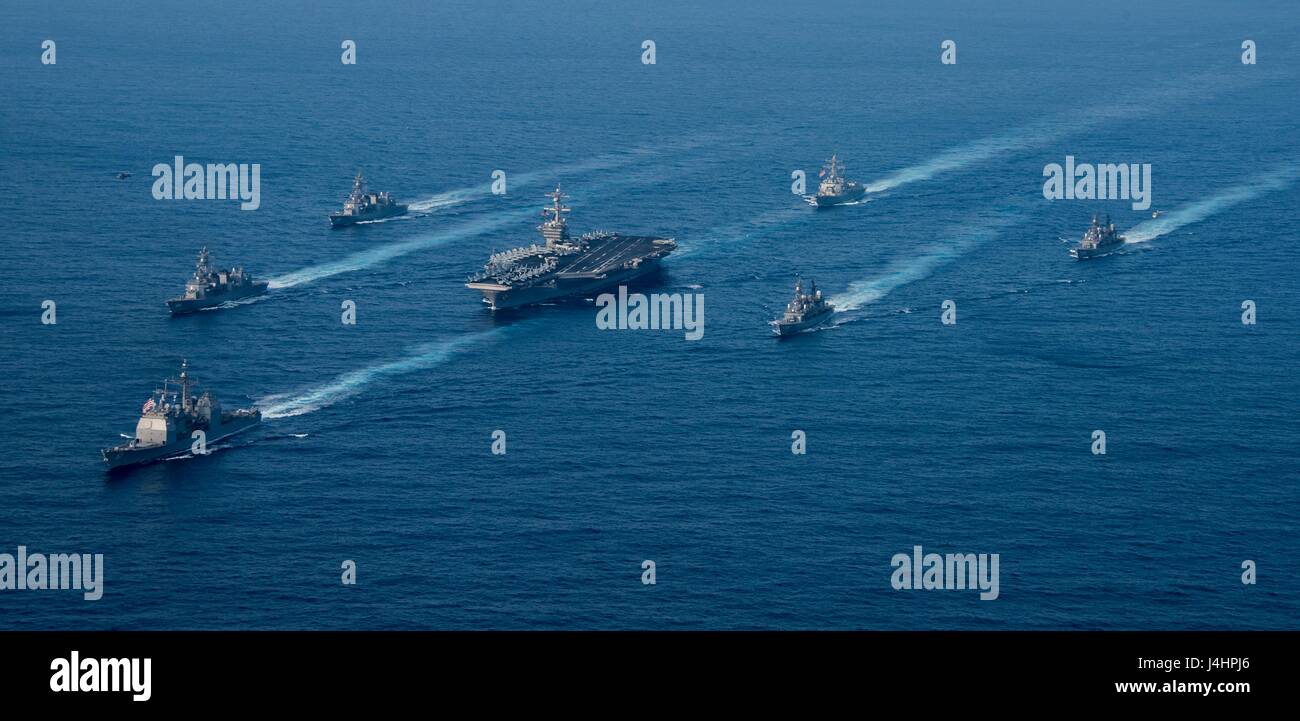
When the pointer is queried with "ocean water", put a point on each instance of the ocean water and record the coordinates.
(635, 445)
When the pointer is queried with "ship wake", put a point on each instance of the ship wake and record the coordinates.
(235, 303)
(751, 229)
(1053, 129)
(347, 385)
(1196, 212)
(384, 253)
(607, 161)
(918, 267)
(963, 156)
(443, 200)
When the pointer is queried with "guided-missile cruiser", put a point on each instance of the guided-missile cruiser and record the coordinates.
(364, 205)
(804, 311)
(170, 419)
(209, 288)
(564, 266)
(1097, 241)
(834, 188)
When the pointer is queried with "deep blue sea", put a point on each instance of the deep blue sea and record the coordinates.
(625, 446)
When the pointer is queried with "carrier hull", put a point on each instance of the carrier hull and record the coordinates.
(504, 297)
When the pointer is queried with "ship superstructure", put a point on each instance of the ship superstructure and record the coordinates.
(210, 287)
(362, 205)
(1098, 240)
(805, 310)
(834, 188)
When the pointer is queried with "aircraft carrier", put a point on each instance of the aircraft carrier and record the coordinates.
(564, 267)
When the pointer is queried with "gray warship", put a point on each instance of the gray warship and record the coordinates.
(564, 266)
(363, 205)
(804, 311)
(1097, 241)
(209, 288)
(834, 188)
(169, 420)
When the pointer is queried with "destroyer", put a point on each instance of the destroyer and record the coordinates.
(170, 421)
(362, 205)
(804, 311)
(209, 288)
(565, 267)
(1097, 241)
(834, 188)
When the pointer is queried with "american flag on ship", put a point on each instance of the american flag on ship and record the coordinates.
(148, 405)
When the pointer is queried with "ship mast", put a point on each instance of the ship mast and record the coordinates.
(185, 384)
(834, 167)
(358, 189)
(555, 229)
(201, 270)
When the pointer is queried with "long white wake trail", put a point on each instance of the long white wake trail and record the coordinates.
(1051, 129)
(385, 253)
(963, 156)
(351, 383)
(447, 199)
(1028, 136)
(1196, 212)
(917, 267)
(608, 161)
